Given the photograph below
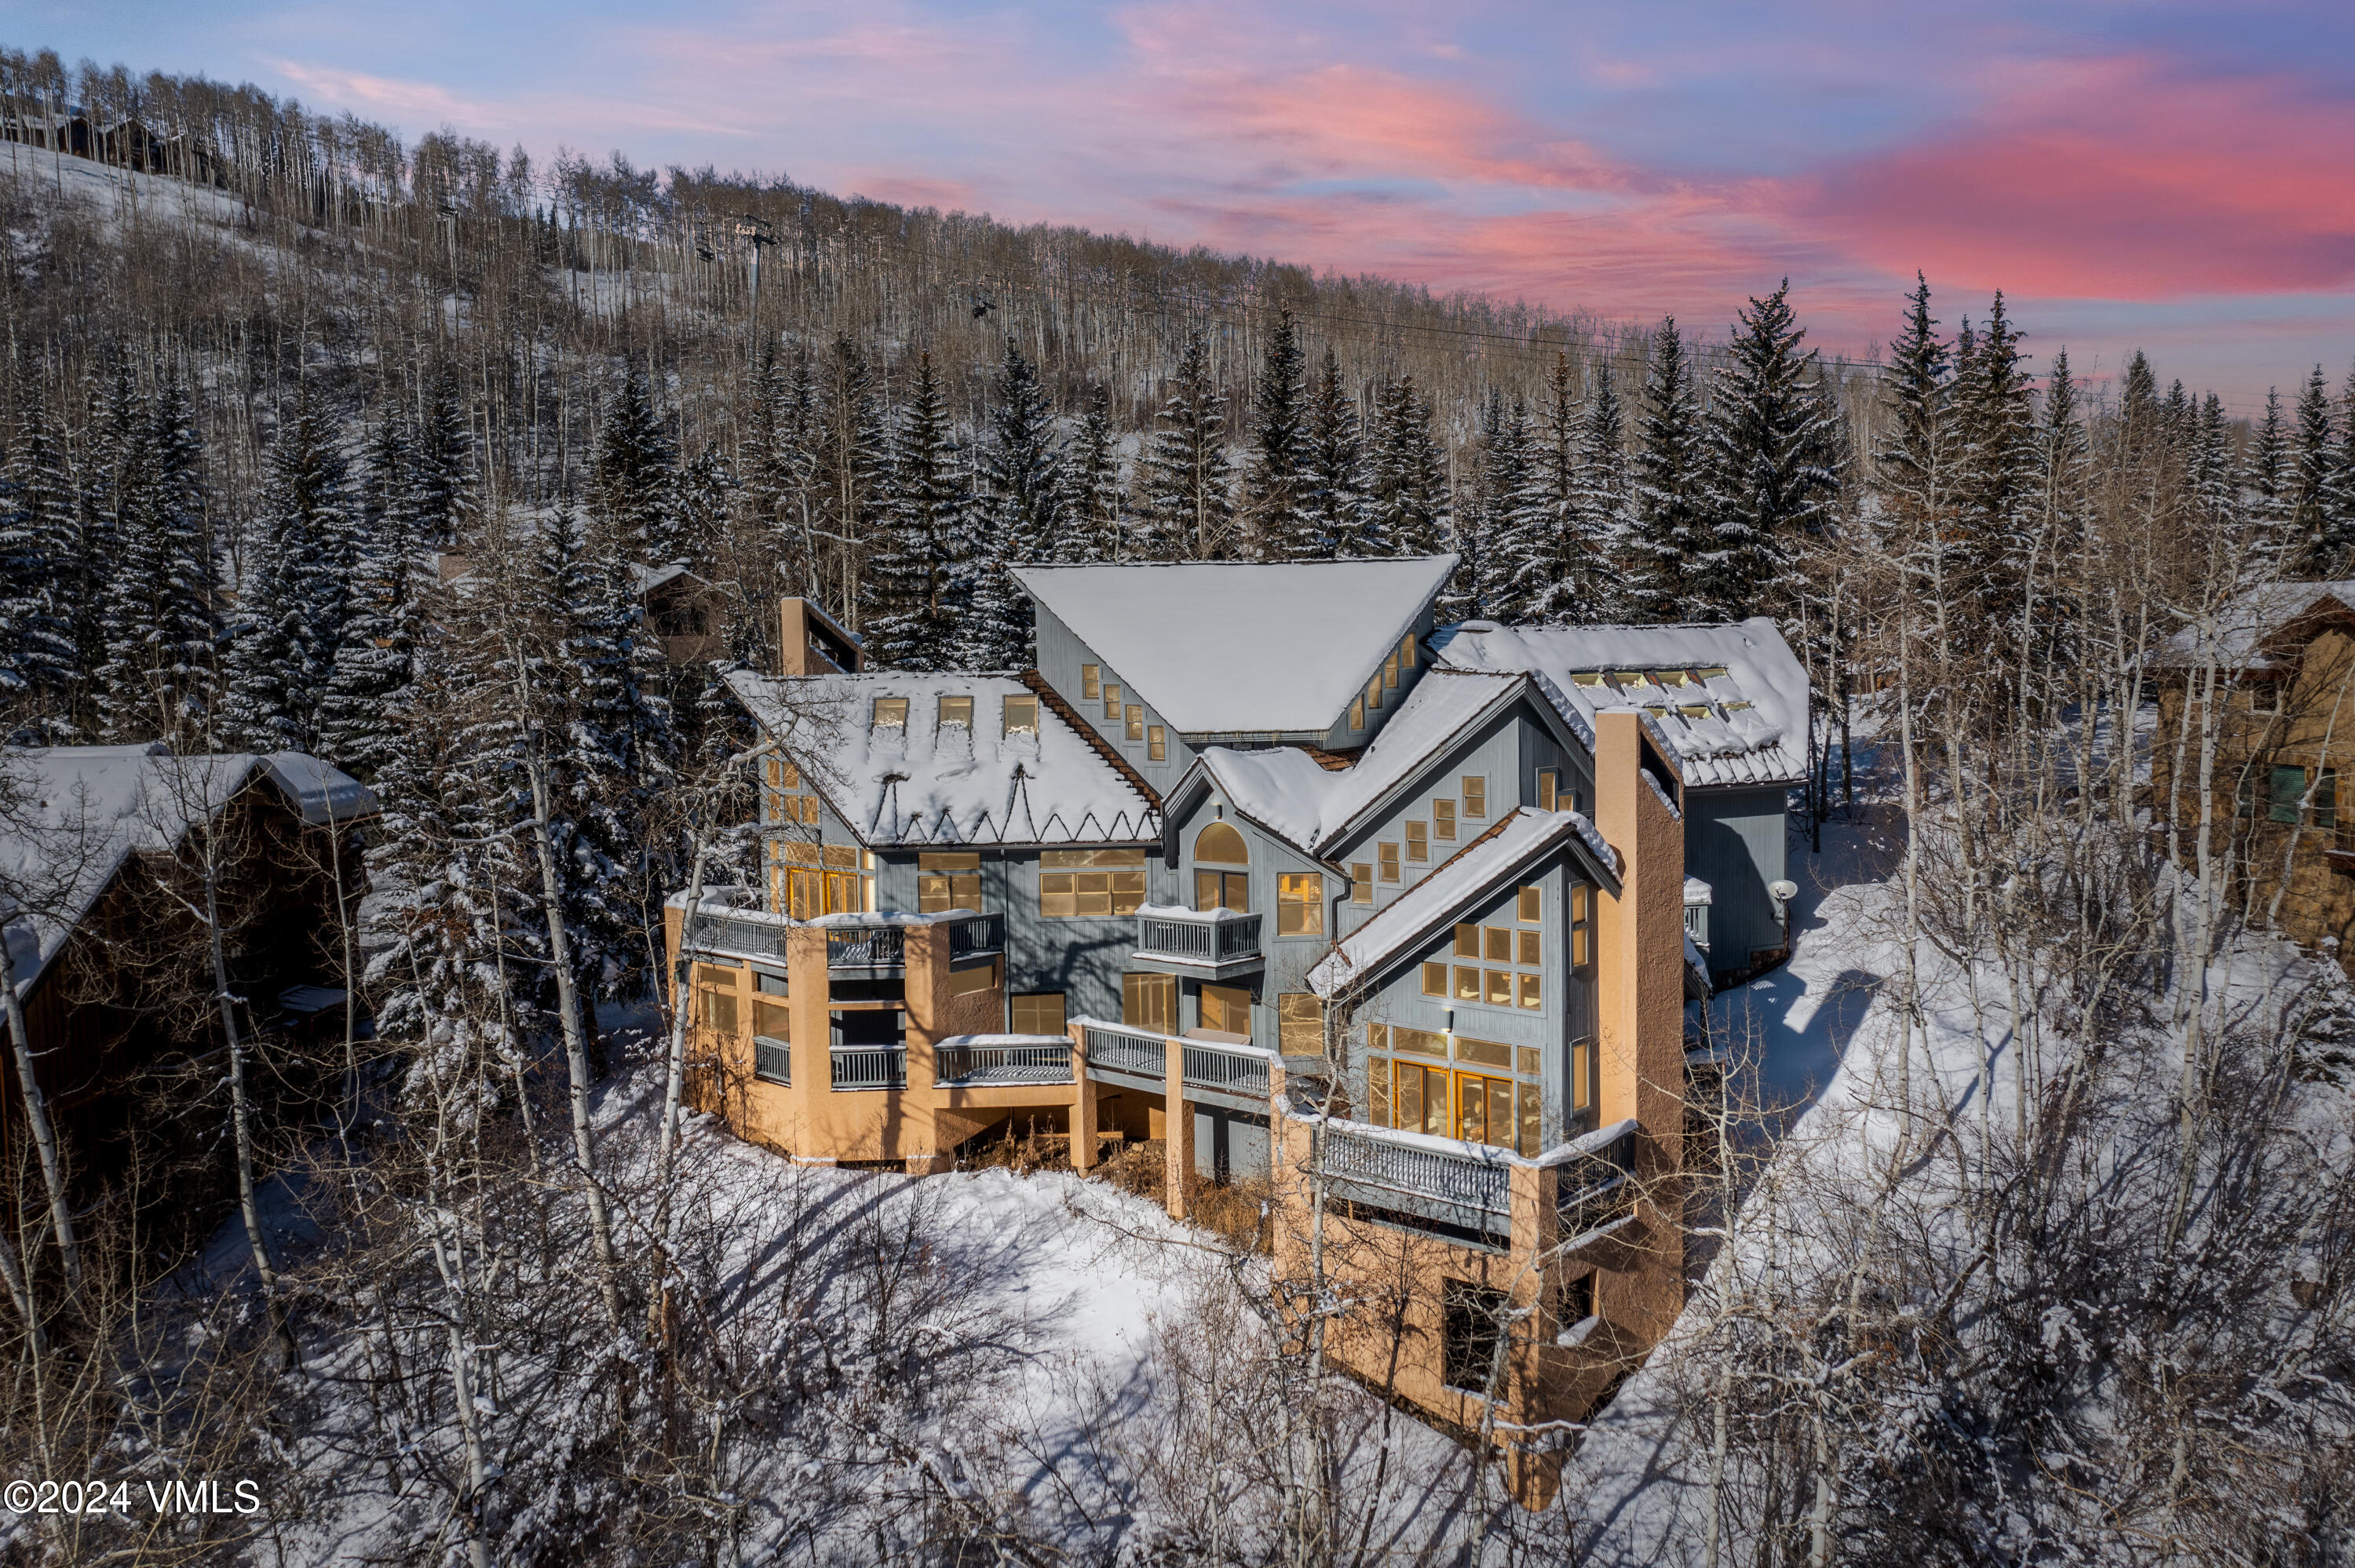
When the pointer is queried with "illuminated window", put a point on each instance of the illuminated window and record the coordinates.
(1499, 988)
(890, 713)
(1484, 1052)
(1443, 819)
(1467, 941)
(1389, 856)
(1135, 722)
(1149, 1001)
(1529, 907)
(1374, 691)
(1219, 845)
(1531, 952)
(1037, 1012)
(1111, 700)
(718, 1009)
(1156, 742)
(1580, 951)
(1549, 790)
(1475, 796)
(1581, 1075)
(945, 881)
(1418, 842)
(1299, 1023)
(1406, 650)
(1362, 882)
(1390, 673)
(1499, 942)
(1021, 715)
(1226, 1010)
(1090, 883)
(1087, 683)
(1467, 983)
(1529, 997)
(1434, 979)
(1300, 904)
(1358, 713)
(957, 710)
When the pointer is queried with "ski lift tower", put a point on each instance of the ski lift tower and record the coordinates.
(755, 232)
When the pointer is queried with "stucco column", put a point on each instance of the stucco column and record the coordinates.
(809, 1001)
(1178, 1131)
(1083, 1104)
(926, 1003)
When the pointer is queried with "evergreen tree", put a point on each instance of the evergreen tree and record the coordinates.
(2268, 473)
(2142, 416)
(1093, 499)
(1766, 434)
(779, 464)
(1997, 464)
(1511, 575)
(1275, 488)
(1668, 492)
(704, 488)
(39, 543)
(913, 573)
(1333, 498)
(1409, 491)
(850, 456)
(1559, 548)
(1021, 512)
(292, 614)
(367, 710)
(634, 483)
(2339, 487)
(2310, 507)
(1189, 492)
(441, 475)
(158, 619)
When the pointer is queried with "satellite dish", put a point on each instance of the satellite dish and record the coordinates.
(1782, 892)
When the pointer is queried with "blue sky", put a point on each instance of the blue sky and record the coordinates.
(2175, 176)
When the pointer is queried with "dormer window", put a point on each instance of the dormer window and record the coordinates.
(1374, 691)
(1406, 652)
(1021, 715)
(1390, 673)
(1358, 713)
(957, 710)
(1713, 673)
(1586, 678)
(890, 713)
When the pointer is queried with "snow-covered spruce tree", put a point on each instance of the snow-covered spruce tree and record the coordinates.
(1558, 551)
(850, 464)
(2339, 488)
(1018, 514)
(705, 487)
(158, 619)
(1514, 571)
(2002, 545)
(291, 613)
(1333, 495)
(1187, 483)
(113, 471)
(634, 483)
(2265, 475)
(1276, 519)
(1668, 490)
(911, 613)
(364, 714)
(2311, 501)
(39, 540)
(443, 496)
(1094, 499)
(778, 461)
(1768, 430)
(1605, 502)
(1409, 485)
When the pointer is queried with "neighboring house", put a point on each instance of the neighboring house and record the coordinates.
(684, 610)
(1261, 863)
(2283, 668)
(101, 884)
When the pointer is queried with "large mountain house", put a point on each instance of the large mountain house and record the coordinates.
(1392, 918)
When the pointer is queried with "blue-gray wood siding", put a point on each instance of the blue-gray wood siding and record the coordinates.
(1736, 840)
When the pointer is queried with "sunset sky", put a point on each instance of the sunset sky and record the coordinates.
(2175, 176)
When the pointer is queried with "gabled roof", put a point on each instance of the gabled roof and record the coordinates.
(1729, 701)
(1294, 796)
(88, 809)
(928, 783)
(1474, 872)
(1233, 648)
(2251, 629)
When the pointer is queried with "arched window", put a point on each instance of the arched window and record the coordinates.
(1216, 887)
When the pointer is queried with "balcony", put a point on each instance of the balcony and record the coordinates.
(871, 945)
(870, 1068)
(983, 1060)
(1449, 1186)
(1209, 944)
(1597, 1180)
(1236, 1075)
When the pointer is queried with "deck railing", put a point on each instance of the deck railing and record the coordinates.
(1598, 1186)
(968, 1065)
(866, 947)
(978, 934)
(717, 931)
(1697, 923)
(1219, 936)
(871, 1067)
(772, 1061)
(1469, 1189)
(1229, 1069)
(1138, 1051)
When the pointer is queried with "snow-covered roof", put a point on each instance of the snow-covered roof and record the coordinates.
(87, 808)
(925, 782)
(1292, 795)
(1729, 701)
(1480, 867)
(1231, 646)
(2246, 628)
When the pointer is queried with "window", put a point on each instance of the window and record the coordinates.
(1149, 1001)
(1374, 691)
(957, 710)
(1532, 948)
(1362, 882)
(950, 880)
(1529, 908)
(1581, 937)
(1581, 1075)
(1475, 796)
(1300, 1023)
(1418, 1098)
(1499, 990)
(1467, 941)
(890, 713)
(2288, 790)
(1300, 904)
(1406, 652)
(2265, 698)
(1021, 715)
(1221, 846)
(1389, 672)
(1532, 1062)
(1135, 722)
(1443, 819)
(1357, 712)
(1111, 700)
(1434, 979)
(1037, 1012)
(1088, 673)
(1484, 1109)
(1578, 1298)
(1499, 941)
(717, 1010)
(1156, 742)
(2326, 799)
(1529, 997)
(771, 1018)
(1419, 1043)
(1549, 790)
(1484, 1052)
(1091, 884)
(1226, 1010)
(969, 982)
(1388, 854)
(1378, 1091)
(1418, 842)
(1467, 983)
